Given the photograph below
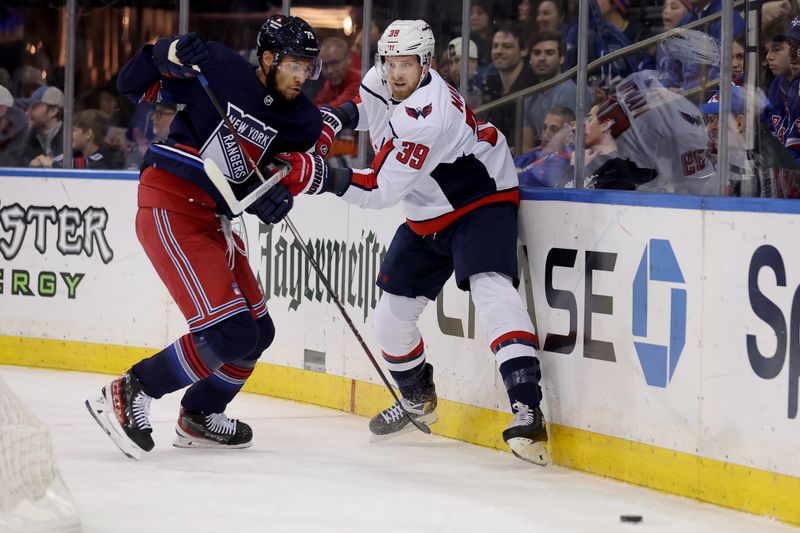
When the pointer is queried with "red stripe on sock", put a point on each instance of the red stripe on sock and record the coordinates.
(236, 372)
(410, 355)
(511, 335)
(193, 357)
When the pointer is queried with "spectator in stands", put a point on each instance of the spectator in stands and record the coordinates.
(45, 109)
(780, 63)
(163, 115)
(550, 16)
(525, 12)
(673, 12)
(703, 8)
(474, 84)
(514, 73)
(615, 12)
(12, 128)
(604, 167)
(342, 81)
(738, 60)
(374, 35)
(90, 150)
(481, 30)
(604, 38)
(740, 168)
(546, 58)
(544, 166)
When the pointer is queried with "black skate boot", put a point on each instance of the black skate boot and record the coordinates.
(419, 399)
(211, 430)
(123, 411)
(392, 421)
(527, 435)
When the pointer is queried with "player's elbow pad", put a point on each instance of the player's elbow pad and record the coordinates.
(338, 180)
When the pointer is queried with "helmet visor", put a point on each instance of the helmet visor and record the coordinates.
(308, 67)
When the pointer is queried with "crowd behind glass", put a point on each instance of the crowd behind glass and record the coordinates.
(653, 113)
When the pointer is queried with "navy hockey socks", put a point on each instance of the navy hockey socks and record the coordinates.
(213, 394)
(187, 360)
(521, 376)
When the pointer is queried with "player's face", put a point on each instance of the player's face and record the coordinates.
(402, 74)
(546, 60)
(673, 12)
(506, 53)
(778, 58)
(290, 76)
(547, 17)
(738, 59)
(552, 125)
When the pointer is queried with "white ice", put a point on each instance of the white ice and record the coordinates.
(315, 469)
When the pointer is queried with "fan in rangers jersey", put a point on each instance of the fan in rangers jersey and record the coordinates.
(456, 182)
(184, 224)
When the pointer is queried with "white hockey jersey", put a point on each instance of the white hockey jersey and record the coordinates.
(667, 134)
(432, 156)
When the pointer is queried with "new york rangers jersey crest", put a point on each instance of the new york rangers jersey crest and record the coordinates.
(419, 112)
(222, 147)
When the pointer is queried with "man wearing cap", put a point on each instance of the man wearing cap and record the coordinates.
(44, 108)
(12, 128)
(737, 154)
(473, 81)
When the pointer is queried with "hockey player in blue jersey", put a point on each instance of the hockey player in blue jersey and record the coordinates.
(456, 182)
(184, 225)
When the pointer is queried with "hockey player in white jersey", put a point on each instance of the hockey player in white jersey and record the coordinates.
(661, 130)
(456, 182)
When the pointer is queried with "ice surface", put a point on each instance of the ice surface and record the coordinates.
(314, 469)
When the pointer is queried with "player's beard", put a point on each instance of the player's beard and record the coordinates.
(273, 88)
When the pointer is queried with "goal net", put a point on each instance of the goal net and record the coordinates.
(33, 497)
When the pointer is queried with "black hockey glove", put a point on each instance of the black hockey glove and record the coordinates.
(187, 50)
(273, 206)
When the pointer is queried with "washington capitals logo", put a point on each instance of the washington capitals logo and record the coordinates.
(416, 112)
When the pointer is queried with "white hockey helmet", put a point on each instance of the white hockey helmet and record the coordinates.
(407, 38)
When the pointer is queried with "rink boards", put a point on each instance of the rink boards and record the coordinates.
(670, 325)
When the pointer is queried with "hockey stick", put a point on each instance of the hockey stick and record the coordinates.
(221, 183)
(226, 191)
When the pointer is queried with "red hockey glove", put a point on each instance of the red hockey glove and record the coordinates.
(308, 174)
(612, 110)
(331, 125)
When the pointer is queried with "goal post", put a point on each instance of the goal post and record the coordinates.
(33, 496)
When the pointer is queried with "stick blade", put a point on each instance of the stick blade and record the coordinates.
(220, 182)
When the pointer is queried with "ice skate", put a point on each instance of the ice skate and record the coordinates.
(392, 422)
(211, 430)
(123, 411)
(527, 435)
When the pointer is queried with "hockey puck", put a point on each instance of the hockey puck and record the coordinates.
(630, 518)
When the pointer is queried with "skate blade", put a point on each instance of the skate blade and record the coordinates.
(102, 412)
(530, 451)
(184, 440)
(428, 419)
